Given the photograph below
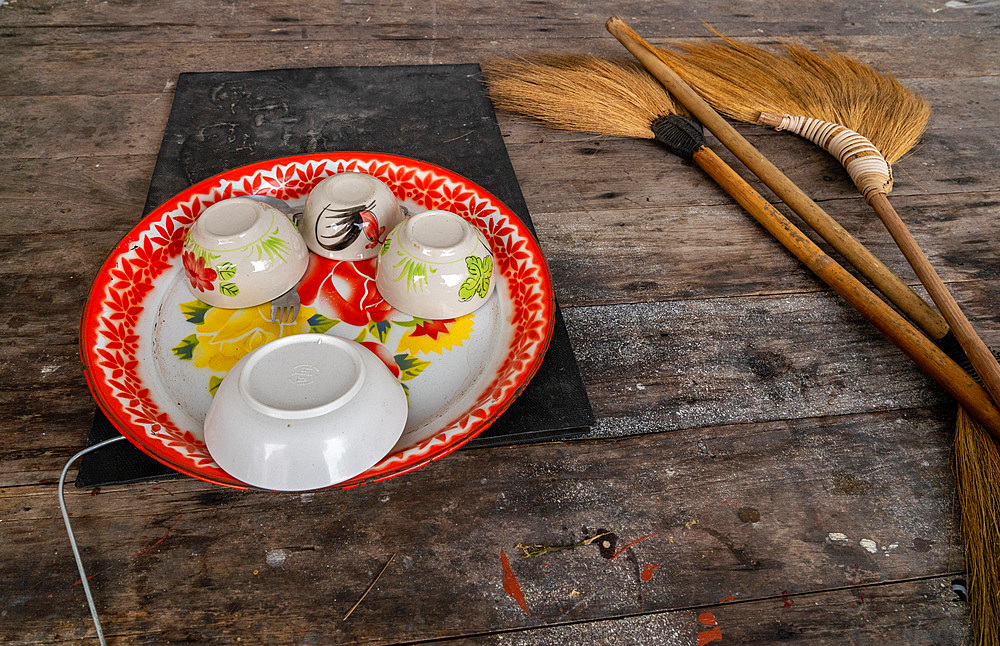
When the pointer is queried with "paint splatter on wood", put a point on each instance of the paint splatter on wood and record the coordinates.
(714, 633)
(647, 572)
(510, 584)
(89, 577)
(162, 538)
(628, 545)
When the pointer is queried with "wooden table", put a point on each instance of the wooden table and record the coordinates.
(772, 469)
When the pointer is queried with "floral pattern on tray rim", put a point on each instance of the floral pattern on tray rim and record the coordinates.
(111, 329)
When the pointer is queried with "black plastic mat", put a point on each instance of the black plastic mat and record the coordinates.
(437, 113)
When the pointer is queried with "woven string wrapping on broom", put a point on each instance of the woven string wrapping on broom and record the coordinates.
(864, 162)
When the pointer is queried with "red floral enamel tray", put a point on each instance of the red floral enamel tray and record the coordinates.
(154, 354)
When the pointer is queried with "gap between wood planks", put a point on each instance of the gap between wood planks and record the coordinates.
(820, 289)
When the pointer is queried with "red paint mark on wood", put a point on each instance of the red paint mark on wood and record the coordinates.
(647, 573)
(706, 636)
(510, 584)
(162, 538)
(162, 489)
(95, 491)
(78, 581)
(784, 597)
(628, 545)
(729, 598)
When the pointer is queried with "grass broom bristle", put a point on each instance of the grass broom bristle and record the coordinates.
(741, 80)
(977, 467)
(580, 93)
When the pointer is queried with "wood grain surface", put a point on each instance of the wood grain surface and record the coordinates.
(766, 468)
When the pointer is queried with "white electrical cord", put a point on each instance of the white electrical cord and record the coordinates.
(72, 540)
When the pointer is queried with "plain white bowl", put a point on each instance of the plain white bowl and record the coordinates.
(435, 265)
(348, 215)
(241, 252)
(304, 412)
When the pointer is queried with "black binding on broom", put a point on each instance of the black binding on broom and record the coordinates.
(682, 136)
(951, 347)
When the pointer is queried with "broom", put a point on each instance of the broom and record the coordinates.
(594, 95)
(576, 106)
(866, 120)
(977, 458)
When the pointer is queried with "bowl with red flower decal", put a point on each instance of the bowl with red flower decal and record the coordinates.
(242, 252)
(347, 216)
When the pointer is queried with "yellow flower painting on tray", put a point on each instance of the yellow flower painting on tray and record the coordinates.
(224, 336)
(436, 336)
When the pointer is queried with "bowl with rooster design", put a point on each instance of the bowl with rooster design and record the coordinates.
(348, 215)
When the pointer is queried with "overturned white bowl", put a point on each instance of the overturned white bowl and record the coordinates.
(435, 265)
(242, 252)
(304, 412)
(348, 215)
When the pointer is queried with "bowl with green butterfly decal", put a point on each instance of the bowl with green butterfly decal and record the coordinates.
(435, 265)
(241, 252)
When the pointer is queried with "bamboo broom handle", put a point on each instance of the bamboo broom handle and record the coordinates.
(975, 349)
(873, 177)
(927, 355)
(839, 238)
(918, 347)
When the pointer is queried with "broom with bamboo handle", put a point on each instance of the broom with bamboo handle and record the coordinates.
(586, 93)
(828, 228)
(977, 457)
(828, 100)
(581, 110)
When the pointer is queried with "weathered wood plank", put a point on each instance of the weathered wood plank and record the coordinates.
(67, 127)
(638, 255)
(87, 65)
(648, 368)
(540, 17)
(557, 175)
(124, 124)
(631, 255)
(636, 251)
(748, 512)
(933, 616)
(695, 363)
(106, 193)
(558, 172)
